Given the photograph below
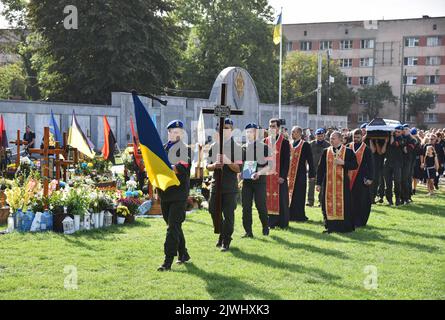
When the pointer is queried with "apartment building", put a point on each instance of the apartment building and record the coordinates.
(369, 52)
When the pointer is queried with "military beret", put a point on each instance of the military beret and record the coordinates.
(175, 124)
(400, 127)
(228, 121)
(363, 126)
(251, 126)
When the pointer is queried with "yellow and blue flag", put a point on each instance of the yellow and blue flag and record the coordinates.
(54, 130)
(277, 30)
(157, 165)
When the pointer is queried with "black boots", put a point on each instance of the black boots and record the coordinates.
(183, 258)
(167, 265)
(220, 241)
(225, 245)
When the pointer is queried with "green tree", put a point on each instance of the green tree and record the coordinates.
(375, 96)
(223, 33)
(17, 43)
(300, 77)
(118, 46)
(420, 100)
(12, 81)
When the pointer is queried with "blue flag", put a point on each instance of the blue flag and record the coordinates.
(54, 129)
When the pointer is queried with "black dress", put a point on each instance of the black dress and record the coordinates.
(430, 169)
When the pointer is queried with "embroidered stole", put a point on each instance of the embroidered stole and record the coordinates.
(272, 185)
(334, 195)
(293, 171)
(359, 154)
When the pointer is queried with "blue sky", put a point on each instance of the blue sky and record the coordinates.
(298, 11)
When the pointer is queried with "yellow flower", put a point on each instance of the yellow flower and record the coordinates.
(90, 165)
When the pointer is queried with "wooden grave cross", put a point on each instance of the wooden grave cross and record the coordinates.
(221, 111)
(18, 143)
(45, 153)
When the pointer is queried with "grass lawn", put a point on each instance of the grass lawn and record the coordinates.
(405, 245)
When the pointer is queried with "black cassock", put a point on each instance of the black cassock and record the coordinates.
(346, 225)
(361, 196)
(298, 201)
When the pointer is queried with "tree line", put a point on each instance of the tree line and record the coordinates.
(174, 47)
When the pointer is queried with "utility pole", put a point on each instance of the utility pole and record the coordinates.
(319, 85)
(329, 82)
(404, 99)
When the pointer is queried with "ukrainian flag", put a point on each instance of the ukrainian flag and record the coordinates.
(277, 31)
(157, 165)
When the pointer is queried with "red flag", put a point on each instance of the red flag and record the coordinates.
(3, 136)
(109, 142)
(137, 156)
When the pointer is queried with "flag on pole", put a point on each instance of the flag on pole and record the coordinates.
(54, 130)
(78, 140)
(277, 30)
(137, 156)
(109, 142)
(3, 136)
(157, 165)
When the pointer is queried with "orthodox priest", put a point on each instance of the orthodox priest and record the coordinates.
(333, 181)
(360, 180)
(277, 184)
(301, 159)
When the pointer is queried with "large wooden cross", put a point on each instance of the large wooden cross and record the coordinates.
(18, 143)
(221, 111)
(45, 153)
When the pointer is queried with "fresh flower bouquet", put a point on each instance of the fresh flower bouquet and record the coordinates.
(131, 203)
(122, 211)
(77, 201)
(20, 197)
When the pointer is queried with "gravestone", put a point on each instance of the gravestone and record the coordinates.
(242, 95)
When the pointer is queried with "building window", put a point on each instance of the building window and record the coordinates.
(433, 41)
(349, 81)
(306, 46)
(433, 61)
(430, 117)
(345, 44)
(412, 42)
(410, 61)
(346, 31)
(345, 63)
(436, 98)
(366, 62)
(367, 44)
(410, 80)
(364, 117)
(434, 26)
(365, 81)
(432, 80)
(305, 33)
(325, 45)
(289, 46)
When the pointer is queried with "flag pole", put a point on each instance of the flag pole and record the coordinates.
(281, 67)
